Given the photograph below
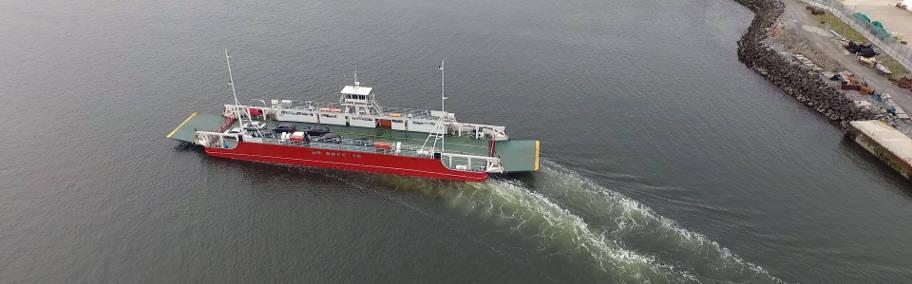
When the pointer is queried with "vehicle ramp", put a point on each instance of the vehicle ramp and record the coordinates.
(186, 130)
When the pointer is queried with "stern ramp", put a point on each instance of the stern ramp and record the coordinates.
(519, 155)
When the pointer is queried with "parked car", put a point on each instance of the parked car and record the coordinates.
(284, 127)
(316, 130)
(328, 138)
(254, 125)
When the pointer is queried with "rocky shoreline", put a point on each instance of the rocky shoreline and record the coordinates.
(755, 51)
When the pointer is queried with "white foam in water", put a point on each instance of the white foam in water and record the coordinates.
(532, 215)
(547, 216)
(635, 216)
(561, 229)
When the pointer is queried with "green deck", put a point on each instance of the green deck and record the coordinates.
(186, 131)
(517, 156)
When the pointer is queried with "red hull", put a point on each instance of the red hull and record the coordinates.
(345, 160)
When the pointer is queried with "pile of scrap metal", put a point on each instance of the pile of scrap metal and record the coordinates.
(870, 61)
(850, 83)
(807, 62)
(875, 63)
(891, 106)
(882, 70)
(861, 49)
(815, 10)
(905, 82)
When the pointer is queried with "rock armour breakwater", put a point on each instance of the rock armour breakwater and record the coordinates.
(806, 86)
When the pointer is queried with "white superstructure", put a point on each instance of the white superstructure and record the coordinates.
(358, 107)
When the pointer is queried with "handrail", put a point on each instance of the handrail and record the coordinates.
(410, 151)
(213, 139)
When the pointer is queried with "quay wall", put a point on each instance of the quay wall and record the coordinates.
(893, 151)
(782, 71)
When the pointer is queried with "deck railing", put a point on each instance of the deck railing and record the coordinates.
(316, 106)
(354, 145)
(340, 146)
(452, 160)
(216, 139)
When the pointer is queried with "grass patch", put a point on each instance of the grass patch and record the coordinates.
(898, 69)
(840, 27)
(851, 34)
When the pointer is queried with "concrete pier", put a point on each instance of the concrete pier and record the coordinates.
(889, 145)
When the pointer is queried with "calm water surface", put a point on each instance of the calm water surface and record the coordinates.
(666, 160)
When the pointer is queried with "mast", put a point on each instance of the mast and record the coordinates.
(441, 133)
(237, 104)
(442, 107)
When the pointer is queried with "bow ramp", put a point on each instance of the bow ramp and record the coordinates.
(186, 130)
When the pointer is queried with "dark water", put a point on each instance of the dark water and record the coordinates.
(666, 160)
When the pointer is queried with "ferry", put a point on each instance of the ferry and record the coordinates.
(357, 134)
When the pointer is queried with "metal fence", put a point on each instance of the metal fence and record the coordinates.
(900, 52)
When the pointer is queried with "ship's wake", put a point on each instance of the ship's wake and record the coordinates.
(571, 217)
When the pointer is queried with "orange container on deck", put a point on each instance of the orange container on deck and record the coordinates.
(383, 145)
(298, 137)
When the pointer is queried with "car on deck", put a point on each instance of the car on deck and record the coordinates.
(284, 128)
(316, 130)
